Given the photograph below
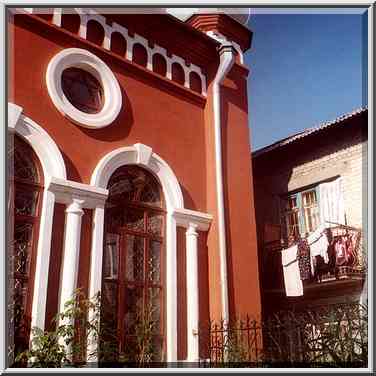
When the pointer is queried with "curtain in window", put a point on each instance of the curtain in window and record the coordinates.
(331, 203)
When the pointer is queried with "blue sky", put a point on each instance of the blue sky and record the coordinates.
(305, 69)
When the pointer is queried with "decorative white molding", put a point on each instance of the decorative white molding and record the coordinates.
(53, 166)
(71, 253)
(155, 164)
(95, 279)
(38, 314)
(42, 143)
(77, 57)
(192, 293)
(87, 15)
(64, 190)
(142, 155)
(186, 217)
(14, 113)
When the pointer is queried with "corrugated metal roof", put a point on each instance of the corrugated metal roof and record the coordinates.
(308, 131)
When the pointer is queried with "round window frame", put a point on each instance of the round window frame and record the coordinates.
(83, 59)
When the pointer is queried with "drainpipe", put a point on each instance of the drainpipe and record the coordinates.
(227, 58)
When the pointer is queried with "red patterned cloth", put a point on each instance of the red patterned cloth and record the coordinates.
(304, 260)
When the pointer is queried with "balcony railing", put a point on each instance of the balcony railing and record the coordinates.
(340, 267)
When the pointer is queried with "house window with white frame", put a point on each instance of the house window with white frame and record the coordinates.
(301, 213)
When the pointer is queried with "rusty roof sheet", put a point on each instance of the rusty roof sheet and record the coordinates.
(308, 131)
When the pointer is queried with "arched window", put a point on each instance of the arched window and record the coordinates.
(25, 196)
(133, 283)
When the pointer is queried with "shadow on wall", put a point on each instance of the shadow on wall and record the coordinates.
(72, 172)
(188, 200)
(119, 129)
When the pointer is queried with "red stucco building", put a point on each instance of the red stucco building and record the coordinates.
(129, 138)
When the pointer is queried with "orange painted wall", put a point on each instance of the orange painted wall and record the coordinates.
(167, 122)
(178, 128)
(55, 264)
(244, 289)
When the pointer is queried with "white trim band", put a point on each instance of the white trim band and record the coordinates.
(83, 59)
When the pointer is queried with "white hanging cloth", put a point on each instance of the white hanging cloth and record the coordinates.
(291, 272)
(331, 203)
(318, 245)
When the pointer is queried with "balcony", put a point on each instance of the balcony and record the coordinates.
(345, 260)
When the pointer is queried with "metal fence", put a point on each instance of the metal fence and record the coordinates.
(333, 336)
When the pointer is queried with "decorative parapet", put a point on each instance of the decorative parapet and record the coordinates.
(89, 15)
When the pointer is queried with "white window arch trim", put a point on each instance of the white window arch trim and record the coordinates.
(83, 59)
(53, 166)
(143, 156)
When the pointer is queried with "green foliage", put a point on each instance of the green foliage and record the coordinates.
(237, 347)
(64, 346)
(67, 344)
(332, 336)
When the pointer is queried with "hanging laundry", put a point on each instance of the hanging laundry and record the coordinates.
(304, 259)
(318, 244)
(344, 250)
(340, 250)
(291, 272)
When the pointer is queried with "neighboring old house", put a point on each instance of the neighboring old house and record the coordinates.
(307, 183)
(131, 172)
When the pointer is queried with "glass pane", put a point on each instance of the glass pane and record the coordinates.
(25, 202)
(82, 89)
(134, 263)
(121, 186)
(154, 262)
(133, 309)
(153, 310)
(20, 294)
(150, 195)
(24, 167)
(114, 216)
(134, 220)
(109, 317)
(155, 224)
(291, 203)
(157, 348)
(22, 247)
(135, 184)
(109, 302)
(309, 198)
(111, 256)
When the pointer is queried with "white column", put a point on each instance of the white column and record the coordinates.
(168, 68)
(72, 238)
(186, 78)
(95, 273)
(192, 293)
(82, 32)
(56, 17)
(171, 287)
(107, 38)
(149, 64)
(129, 53)
(43, 261)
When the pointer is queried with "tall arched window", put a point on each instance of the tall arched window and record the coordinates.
(25, 196)
(133, 283)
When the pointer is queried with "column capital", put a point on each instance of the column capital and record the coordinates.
(66, 191)
(192, 229)
(75, 206)
(186, 218)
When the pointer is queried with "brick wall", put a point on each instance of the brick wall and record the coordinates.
(336, 151)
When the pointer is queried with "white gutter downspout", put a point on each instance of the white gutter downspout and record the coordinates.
(227, 58)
